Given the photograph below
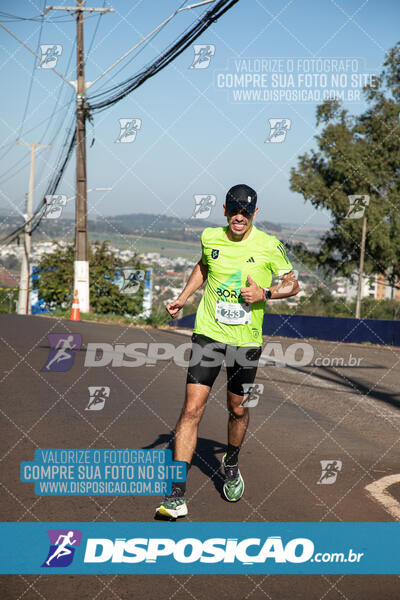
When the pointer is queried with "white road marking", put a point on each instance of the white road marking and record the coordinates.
(377, 489)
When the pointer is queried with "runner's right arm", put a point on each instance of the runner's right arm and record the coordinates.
(196, 280)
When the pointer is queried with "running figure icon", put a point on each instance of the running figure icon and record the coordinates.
(62, 345)
(98, 396)
(62, 549)
(330, 471)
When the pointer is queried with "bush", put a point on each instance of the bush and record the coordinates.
(8, 300)
(56, 277)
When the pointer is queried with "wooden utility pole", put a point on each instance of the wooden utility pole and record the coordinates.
(24, 306)
(81, 266)
(81, 263)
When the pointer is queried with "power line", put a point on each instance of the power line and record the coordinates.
(7, 175)
(95, 32)
(118, 92)
(59, 94)
(58, 127)
(32, 78)
(35, 127)
(9, 18)
(140, 50)
(38, 214)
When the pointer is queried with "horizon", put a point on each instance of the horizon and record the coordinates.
(213, 220)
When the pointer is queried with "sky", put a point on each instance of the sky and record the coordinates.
(201, 127)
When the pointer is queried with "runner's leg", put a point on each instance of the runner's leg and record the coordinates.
(200, 378)
(242, 371)
(233, 487)
(187, 426)
(238, 419)
(204, 365)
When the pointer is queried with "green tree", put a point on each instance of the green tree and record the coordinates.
(357, 155)
(56, 278)
(8, 300)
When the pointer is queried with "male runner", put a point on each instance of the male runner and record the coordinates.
(238, 261)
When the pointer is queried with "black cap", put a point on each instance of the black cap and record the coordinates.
(241, 196)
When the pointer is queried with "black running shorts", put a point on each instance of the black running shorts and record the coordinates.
(206, 359)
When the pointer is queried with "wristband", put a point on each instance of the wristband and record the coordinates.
(267, 294)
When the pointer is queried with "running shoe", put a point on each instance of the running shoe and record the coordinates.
(173, 506)
(234, 484)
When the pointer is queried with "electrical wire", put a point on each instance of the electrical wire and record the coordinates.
(58, 129)
(95, 31)
(52, 188)
(137, 53)
(36, 126)
(6, 175)
(28, 98)
(65, 107)
(49, 120)
(58, 125)
(39, 213)
(9, 18)
(123, 89)
(61, 88)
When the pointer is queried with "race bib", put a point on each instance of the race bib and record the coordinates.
(233, 313)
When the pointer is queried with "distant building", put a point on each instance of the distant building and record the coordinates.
(8, 280)
(373, 286)
(385, 291)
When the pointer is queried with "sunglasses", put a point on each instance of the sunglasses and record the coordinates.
(240, 211)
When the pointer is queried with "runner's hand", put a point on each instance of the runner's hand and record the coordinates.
(174, 307)
(252, 293)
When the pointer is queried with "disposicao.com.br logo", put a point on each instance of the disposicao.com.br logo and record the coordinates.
(247, 551)
(198, 548)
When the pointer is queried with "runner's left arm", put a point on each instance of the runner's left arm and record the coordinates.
(289, 286)
(280, 265)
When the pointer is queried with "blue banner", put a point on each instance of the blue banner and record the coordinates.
(199, 548)
(102, 472)
(335, 329)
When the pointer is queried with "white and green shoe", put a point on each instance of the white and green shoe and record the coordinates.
(172, 507)
(234, 485)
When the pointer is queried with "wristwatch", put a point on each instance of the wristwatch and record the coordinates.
(267, 293)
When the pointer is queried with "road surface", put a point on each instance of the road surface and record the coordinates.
(306, 414)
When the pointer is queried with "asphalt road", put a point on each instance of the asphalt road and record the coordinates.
(306, 414)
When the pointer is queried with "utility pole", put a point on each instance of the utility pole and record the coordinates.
(24, 306)
(81, 263)
(361, 273)
(81, 266)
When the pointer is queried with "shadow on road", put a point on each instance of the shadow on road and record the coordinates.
(331, 375)
(205, 456)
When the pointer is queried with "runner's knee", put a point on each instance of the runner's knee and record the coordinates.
(237, 411)
(192, 412)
